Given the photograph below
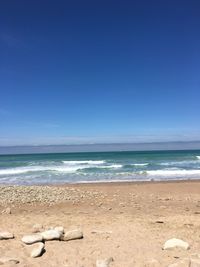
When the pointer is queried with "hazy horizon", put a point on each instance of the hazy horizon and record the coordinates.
(109, 147)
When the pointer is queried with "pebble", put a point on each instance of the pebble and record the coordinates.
(101, 232)
(8, 260)
(175, 243)
(104, 263)
(71, 235)
(51, 235)
(37, 250)
(6, 211)
(6, 235)
(31, 239)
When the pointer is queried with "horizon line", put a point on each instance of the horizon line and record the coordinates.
(92, 144)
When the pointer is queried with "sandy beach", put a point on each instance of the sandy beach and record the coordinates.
(129, 222)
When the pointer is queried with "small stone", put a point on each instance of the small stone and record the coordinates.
(195, 263)
(176, 243)
(51, 235)
(37, 250)
(6, 235)
(6, 211)
(8, 260)
(31, 239)
(60, 229)
(104, 263)
(71, 235)
(37, 228)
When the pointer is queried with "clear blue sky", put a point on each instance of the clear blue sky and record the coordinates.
(99, 71)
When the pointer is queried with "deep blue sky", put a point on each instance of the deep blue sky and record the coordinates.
(99, 71)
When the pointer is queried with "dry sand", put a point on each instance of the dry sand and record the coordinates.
(127, 221)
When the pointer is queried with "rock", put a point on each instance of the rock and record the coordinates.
(176, 243)
(37, 228)
(31, 239)
(60, 229)
(4, 260)
(195, 263)
(71, 235)
(37, 250)
(6, 235)
(181, 263)
(104, 263)
(51, 235)
(6, 211)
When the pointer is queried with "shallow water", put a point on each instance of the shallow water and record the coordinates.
(99, 166)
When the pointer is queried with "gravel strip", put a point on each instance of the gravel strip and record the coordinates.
(44, 194)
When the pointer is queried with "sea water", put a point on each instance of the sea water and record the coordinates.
(60, 168)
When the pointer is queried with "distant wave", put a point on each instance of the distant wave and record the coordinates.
(20, 170)
(198, 157)
(56, 168)
(179, 163)
(139, 164)
(113, 166)
(74, 162)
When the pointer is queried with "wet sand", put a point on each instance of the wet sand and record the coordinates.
(127, 221)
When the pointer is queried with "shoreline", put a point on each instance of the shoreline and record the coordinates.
(105, 182)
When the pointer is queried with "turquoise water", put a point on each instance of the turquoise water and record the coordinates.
(99, 166)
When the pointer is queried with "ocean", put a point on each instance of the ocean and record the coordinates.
(60, 168)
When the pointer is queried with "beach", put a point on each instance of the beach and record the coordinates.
(129, 222)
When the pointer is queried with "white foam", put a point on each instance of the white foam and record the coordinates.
(88, 162)
(179, 163)
(198, 157)
(140, 164)
(20, 170)
(55, 168)
(113, 166)
(174, 173)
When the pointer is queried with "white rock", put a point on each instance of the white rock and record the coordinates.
(71, 235)
(37, 228)
(176, 243)
(37, 250)
(104, 263)
(195, 263)
(6, 235)
(31, 239)
(59, 229)
(51, 235)
(8, 260)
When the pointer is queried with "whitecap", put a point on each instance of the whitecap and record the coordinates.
(174, 173)
(113, 166)
(88, 162)
(140, 164)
